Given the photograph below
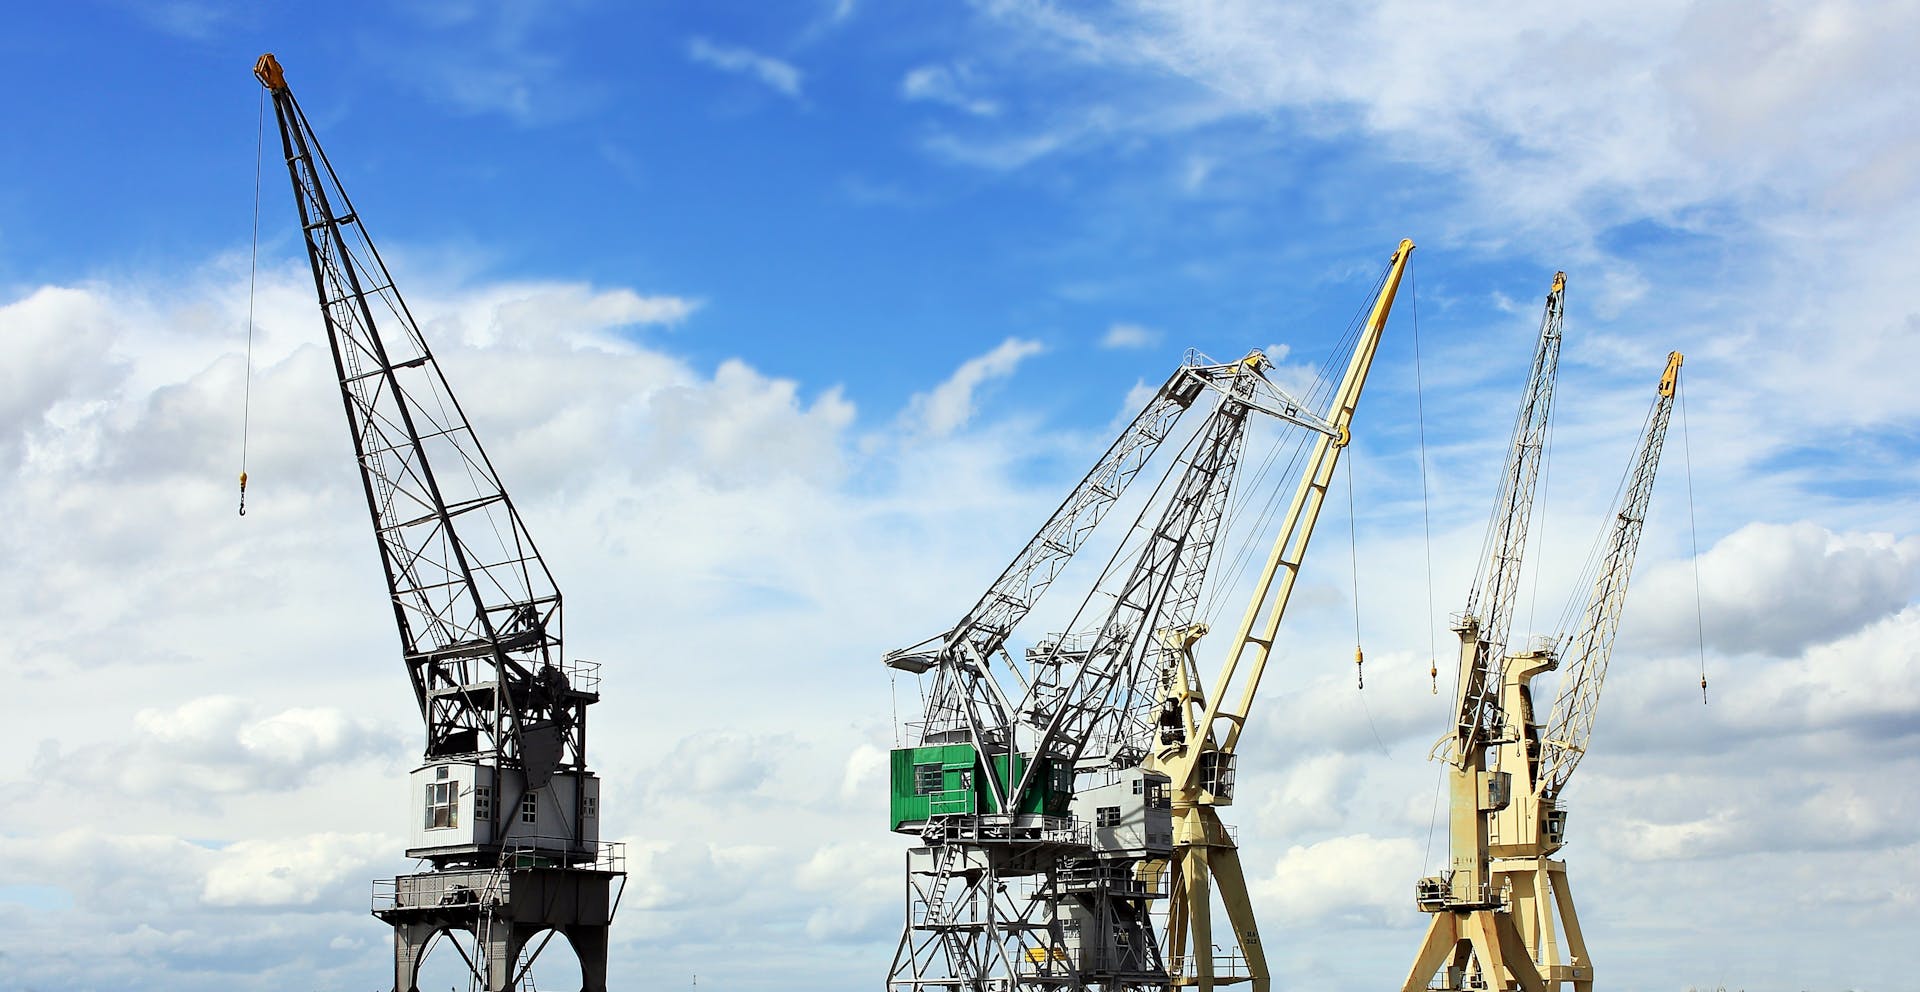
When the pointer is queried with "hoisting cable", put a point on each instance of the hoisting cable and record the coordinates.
(1359, 658)
(1693, 533)
(1317, 392)
(253, 269)
(1353, 557)
(1426, 516)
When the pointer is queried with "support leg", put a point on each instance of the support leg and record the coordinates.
(1246, 932)
(410, 941)
(500, 954)
(590, 946)
(1442, 934)
(1576, 941)
(1200, 914)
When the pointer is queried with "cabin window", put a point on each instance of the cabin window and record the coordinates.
(530, 808)
(443, 804)
(926, 780)
(1107, 816)
(483, 804)
(592, 808)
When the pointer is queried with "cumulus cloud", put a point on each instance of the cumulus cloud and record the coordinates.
(295, 871)
(221, 745)
(1778, 588)
(1356, 877)
(950, 405)
(781, 77)
(657, 489)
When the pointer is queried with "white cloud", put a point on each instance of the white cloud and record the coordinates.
(220, 745)
(656, 489)
(1541, 112)
(950, 405)
(296, 871)
(947, 85)
(782, 77)
(1357, 877)
(1129, 336)
(1777, 588)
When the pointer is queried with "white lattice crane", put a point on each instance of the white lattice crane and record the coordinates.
(1019, 882)
(1043, 836)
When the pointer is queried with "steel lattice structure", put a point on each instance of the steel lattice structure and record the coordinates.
(1503, 915)
(1489, 613)
(1033, 900)
(1570, 725)
(509, 811)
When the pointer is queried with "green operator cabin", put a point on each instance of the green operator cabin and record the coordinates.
(951, 778)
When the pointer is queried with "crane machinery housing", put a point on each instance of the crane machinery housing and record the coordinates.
(1500, 909)
(1050, 807)
(505, 812)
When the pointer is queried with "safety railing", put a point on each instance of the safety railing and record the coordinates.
(564, 852)
(1227, 965)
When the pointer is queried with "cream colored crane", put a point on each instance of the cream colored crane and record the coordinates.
(1510, 821)
(1198, 757)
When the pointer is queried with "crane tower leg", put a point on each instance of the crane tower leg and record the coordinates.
(1198, 910)
(1443, 938)
(1209, 860)
(1232, 883)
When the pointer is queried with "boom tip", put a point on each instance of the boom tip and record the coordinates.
(268, 71)
(1672, 374)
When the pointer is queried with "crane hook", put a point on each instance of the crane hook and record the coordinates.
(243, 494)
(1359, 667)
(1703, 688)
(1433, 672)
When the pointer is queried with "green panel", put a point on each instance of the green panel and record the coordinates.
(949, 779)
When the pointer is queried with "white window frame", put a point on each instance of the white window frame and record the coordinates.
(443, 804)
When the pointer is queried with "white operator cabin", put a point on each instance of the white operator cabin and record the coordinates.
(1131, 816)
(457, 806)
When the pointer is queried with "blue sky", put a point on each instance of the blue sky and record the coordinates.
(786, 323)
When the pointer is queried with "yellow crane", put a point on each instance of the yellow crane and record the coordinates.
(1199, 744)
(1499, 913)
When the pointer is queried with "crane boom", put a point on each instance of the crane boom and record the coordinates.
(964, 695)
(473, 601)
(1073, 708)
(1275, 586)
(1490, 605)
(1570, 726)
(1198, 753)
